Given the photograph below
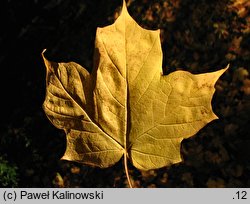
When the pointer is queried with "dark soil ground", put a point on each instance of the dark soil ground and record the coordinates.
(197, 36)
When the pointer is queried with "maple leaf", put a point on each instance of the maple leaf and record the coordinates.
(126, 107)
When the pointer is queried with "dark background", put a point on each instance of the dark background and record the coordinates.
(197, 36)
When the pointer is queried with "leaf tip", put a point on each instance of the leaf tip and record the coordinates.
(124, 7)
(222, 71)
(215, 117)
(217, 74)
(50, 66)
(44, 50)
(65, 157)
(226, 68)
(44, 58)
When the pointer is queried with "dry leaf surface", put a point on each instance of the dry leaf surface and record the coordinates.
(126, 107)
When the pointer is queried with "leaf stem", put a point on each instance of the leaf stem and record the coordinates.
(126, 170)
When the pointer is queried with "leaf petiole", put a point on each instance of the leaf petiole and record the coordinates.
(126, 170)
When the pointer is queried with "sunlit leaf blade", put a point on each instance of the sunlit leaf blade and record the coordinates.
(67, 105)
(126, 106)
(178, 106)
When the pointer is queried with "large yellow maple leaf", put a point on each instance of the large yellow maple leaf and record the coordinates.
(126, 107)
